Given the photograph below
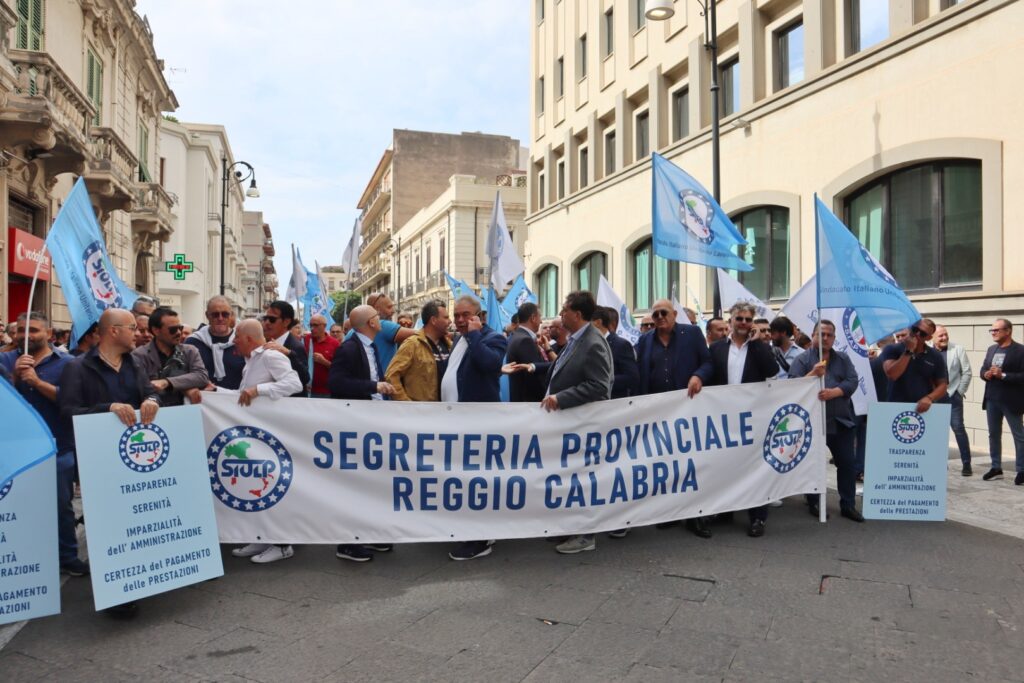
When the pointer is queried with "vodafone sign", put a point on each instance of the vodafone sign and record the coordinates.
(25, 251)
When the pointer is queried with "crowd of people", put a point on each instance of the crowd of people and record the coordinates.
(147, 358)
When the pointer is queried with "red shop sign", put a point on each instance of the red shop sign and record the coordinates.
(24, 251)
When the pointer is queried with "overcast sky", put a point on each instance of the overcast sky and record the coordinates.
(310, 90)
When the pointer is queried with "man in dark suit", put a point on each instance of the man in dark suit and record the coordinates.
(356, 374)
(742, 358)
(582, 374)
(627, 376)
(1003, 373)
(528, 358)
(277, 324)
(671, 357)
(474, 367)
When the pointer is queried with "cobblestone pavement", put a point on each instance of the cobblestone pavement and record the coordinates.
(821, 602)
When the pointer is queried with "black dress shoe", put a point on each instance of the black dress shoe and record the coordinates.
(666, 525)
(756, 529)
(852, 514)
(698, 526)
(813, 510)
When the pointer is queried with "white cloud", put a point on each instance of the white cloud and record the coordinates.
(309, 91)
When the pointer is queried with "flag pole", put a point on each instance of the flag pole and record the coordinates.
(822, 497)
(31, 297)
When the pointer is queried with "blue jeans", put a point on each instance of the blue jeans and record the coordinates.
(995, 413)
(956, 422)
(67, 540)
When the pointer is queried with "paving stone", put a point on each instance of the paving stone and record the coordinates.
(391, 662)
(444, 632)
(470, 665)
(740, 622)
(311, 657)
(562, 605)
(18, 668)
(689, 588)
(692, 651)
(556, 669)
(232, 653)
(609, 646)
(527, 637)
(642, 673)
(644, 611)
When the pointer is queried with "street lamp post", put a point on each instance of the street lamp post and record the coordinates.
(395, 245)
(660, 10)
(252, 192)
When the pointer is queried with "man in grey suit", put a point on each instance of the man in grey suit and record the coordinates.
(958, 367)
(582, 373)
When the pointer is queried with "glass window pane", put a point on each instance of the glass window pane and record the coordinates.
(729, 82)
(753, 226)
(872, 22)
(865, 220)
(779, 286)
(680, 114)
(547, 291)
(911, 226)
(642, 277)
(791, 55)
(666, 273)
(609, 153)
(961, 248)
(642, 136)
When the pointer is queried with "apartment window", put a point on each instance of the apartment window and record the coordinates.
(766, 229)
(609, 153)
(94, 84)
(540, 11)
(29, 29)
(584, 167)
(643, 135)
(143, 152)
(923, 224)
(560, 179)
(639, 14)
(729, 84)
(427, 269)
(680, 114)
(546, 283)
(789, 46)
(589, 270)
(868, 23)
(440, 253)
(653, 276)
(608, 32)
(540, 96)
(559, 77)
(581, 56)
(542, 191)
(946, 4)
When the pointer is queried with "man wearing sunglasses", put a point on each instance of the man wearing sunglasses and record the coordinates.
(277, 324)
(742, 358)
(174, 369)
(216, 345)
(916, 371)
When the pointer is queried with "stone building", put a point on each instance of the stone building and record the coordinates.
(260, 280)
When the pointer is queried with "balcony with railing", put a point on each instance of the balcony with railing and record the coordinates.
(48, 113)
(153, 213)
(371, 275)
(380, 198)
(110, 174)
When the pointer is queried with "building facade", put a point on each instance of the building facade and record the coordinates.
(81, 94)
(451, 235)
(260, 280)
(409, 176)
(901, 116)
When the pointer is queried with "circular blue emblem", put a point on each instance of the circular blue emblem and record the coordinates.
(144, 448)
(250, 469)
(908, 427)
(697, 213)
(789, 437)
(855, 340)
(100, 279)
(6, 488)
(877, 267)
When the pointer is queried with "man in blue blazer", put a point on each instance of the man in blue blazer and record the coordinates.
(474, 367)
(627, 377)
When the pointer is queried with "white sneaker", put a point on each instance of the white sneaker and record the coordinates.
(250, 550)
(775, 504)
(273, 554)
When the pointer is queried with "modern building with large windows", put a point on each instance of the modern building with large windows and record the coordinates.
(902, 116)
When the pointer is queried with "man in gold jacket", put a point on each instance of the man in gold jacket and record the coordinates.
(418, 366)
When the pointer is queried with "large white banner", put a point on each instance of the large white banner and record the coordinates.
(306, 471)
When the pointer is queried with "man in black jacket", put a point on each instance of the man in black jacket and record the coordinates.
(277, 324)
(742, 358)
(527, 364)
(1003, 373)
(627, 375)
(176, 370)
(108, 379)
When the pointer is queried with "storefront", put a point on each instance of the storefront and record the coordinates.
(25, 251)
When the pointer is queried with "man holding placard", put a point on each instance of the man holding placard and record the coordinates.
(1003, 372)
(916, 371)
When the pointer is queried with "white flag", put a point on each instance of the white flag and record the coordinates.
(505, 262)
(297, 283)
(606, 296)
(731, 292)
(350, 260)
(802, 310)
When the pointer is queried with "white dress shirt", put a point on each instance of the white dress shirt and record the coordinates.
(737, 360)
(450, 381)
(271, 373)
(371, 359)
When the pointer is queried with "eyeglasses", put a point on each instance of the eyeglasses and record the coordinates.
(318, 324)
(270, 319)
(218, 314)
(131, 327)
(146, 299)
(919, 332)
(645, 326)
(997, 329)
(743, 320)
(660, 313)
(175, 329)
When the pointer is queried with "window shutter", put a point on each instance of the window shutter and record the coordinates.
(36, 26)
(21, 39)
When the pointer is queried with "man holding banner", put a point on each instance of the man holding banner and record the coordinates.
(840, 420)
(916, 371)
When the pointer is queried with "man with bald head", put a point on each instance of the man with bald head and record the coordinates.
(322, 346)
(108, 379)
(357, 373)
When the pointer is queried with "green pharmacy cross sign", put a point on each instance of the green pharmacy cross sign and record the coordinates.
(179, 266)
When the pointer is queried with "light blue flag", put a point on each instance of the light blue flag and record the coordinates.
(460, 288)
(850, 277)
(27, 439)
(88, 280)
(518, 294)
(497, 317)
(687, 224)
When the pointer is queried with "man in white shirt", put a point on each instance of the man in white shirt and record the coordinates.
(267, 374)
